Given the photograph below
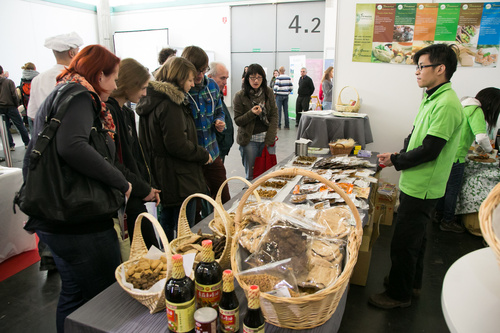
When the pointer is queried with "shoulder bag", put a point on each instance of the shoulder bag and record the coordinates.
(54, 191)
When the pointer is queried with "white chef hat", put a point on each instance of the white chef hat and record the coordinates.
(64, 42)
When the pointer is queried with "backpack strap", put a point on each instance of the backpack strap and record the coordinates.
(52, 123)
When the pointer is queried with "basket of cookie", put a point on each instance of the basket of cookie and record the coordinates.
(143, 276)
(489, 220)
(190, 242)
(217, 224)
(302, 259)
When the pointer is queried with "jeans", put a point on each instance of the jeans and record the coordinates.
(447, 204)
(250, 152)
(408, 246)
(169, 217)
(11, 113)
(327, 105)
(86, 264)
(282, 103)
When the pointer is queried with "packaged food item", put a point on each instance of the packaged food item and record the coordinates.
(229, 307)
(180, 299)
(208, 278)
(277, 275)
(254, 319)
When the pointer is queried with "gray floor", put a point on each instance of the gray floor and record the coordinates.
(29, 298)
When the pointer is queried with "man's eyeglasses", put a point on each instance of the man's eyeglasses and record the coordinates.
(204, 71)
(420, 67)
(255, 78)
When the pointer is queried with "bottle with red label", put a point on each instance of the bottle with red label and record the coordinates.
(180, 299)
(254, 320)
(208, 278)
(229, 307)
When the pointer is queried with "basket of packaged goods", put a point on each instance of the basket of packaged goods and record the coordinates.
(301, 258)
(489, 220)
(143, 276)
(342, 146)
(217, 224)
(190, 242)
(352, 106)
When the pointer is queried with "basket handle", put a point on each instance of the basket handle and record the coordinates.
(138, 248)
(295, 172)
(218, 198)
(339, 99)
(183, 228)
(338, 144)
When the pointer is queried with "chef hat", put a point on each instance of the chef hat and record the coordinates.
(64, 42)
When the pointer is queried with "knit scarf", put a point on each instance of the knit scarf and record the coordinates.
(258, 97)
(105, 115)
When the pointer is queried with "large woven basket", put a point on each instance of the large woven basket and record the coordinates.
(313, 310)
(154, 301)
(184, 231)
(485, 220)
(347, 107)
(216, 225)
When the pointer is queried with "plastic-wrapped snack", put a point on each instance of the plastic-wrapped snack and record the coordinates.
(273, 276)
(325, 264)
(338, 221)
(251, 236)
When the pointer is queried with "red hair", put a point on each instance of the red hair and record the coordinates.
(90, 63)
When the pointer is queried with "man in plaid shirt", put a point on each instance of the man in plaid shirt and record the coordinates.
(208, 116)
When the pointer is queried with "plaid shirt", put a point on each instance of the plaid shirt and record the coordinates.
(206, 106)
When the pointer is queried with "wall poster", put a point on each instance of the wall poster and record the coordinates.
(392, 33)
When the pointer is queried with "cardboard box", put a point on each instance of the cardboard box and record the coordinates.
(384, 205)
(360, 271)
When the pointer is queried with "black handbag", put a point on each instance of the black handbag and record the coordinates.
(54, 191)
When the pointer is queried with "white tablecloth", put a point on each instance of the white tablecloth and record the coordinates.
(13, 238)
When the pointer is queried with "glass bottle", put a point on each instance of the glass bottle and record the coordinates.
(254, 320)
(208, 278)
(229, 307)
(180, 299)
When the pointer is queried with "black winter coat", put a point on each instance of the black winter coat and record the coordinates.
(168, 136)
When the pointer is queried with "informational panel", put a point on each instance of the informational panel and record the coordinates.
(253, 28)
(141, 45)
(300, 26)
(392, 33)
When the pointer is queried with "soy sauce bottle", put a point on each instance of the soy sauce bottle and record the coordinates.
(180, 299)
(229, 307)
(254, 320)
(208, 278)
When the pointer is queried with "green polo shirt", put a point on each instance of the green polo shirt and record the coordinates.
(474, 124)
(439, 115)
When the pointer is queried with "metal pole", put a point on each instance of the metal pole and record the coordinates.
(5, 143)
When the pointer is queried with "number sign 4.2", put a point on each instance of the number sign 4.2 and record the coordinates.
(296, 25)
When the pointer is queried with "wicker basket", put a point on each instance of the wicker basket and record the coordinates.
(216, 223)
(339, 149)
(485, 220)
(184, 231)
(313, 310)
(154, 301)
(342, 107)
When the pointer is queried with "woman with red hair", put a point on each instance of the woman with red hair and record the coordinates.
(86, 253)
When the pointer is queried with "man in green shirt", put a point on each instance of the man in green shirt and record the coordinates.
(425, 161)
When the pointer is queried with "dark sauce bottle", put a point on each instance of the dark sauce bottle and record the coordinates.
(180, 299)
(229, 307)
(254, 320)
(208, 278)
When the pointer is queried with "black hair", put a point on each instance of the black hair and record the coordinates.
(441, 54)
(254, 69)
(165, 54)
(244, 73)
(490, 103)
(1, 70)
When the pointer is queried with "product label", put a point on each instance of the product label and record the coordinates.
(229, 320)
(180, 316)
(247, 329)
(208, 295)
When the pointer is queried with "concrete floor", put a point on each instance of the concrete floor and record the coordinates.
(28, 299)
